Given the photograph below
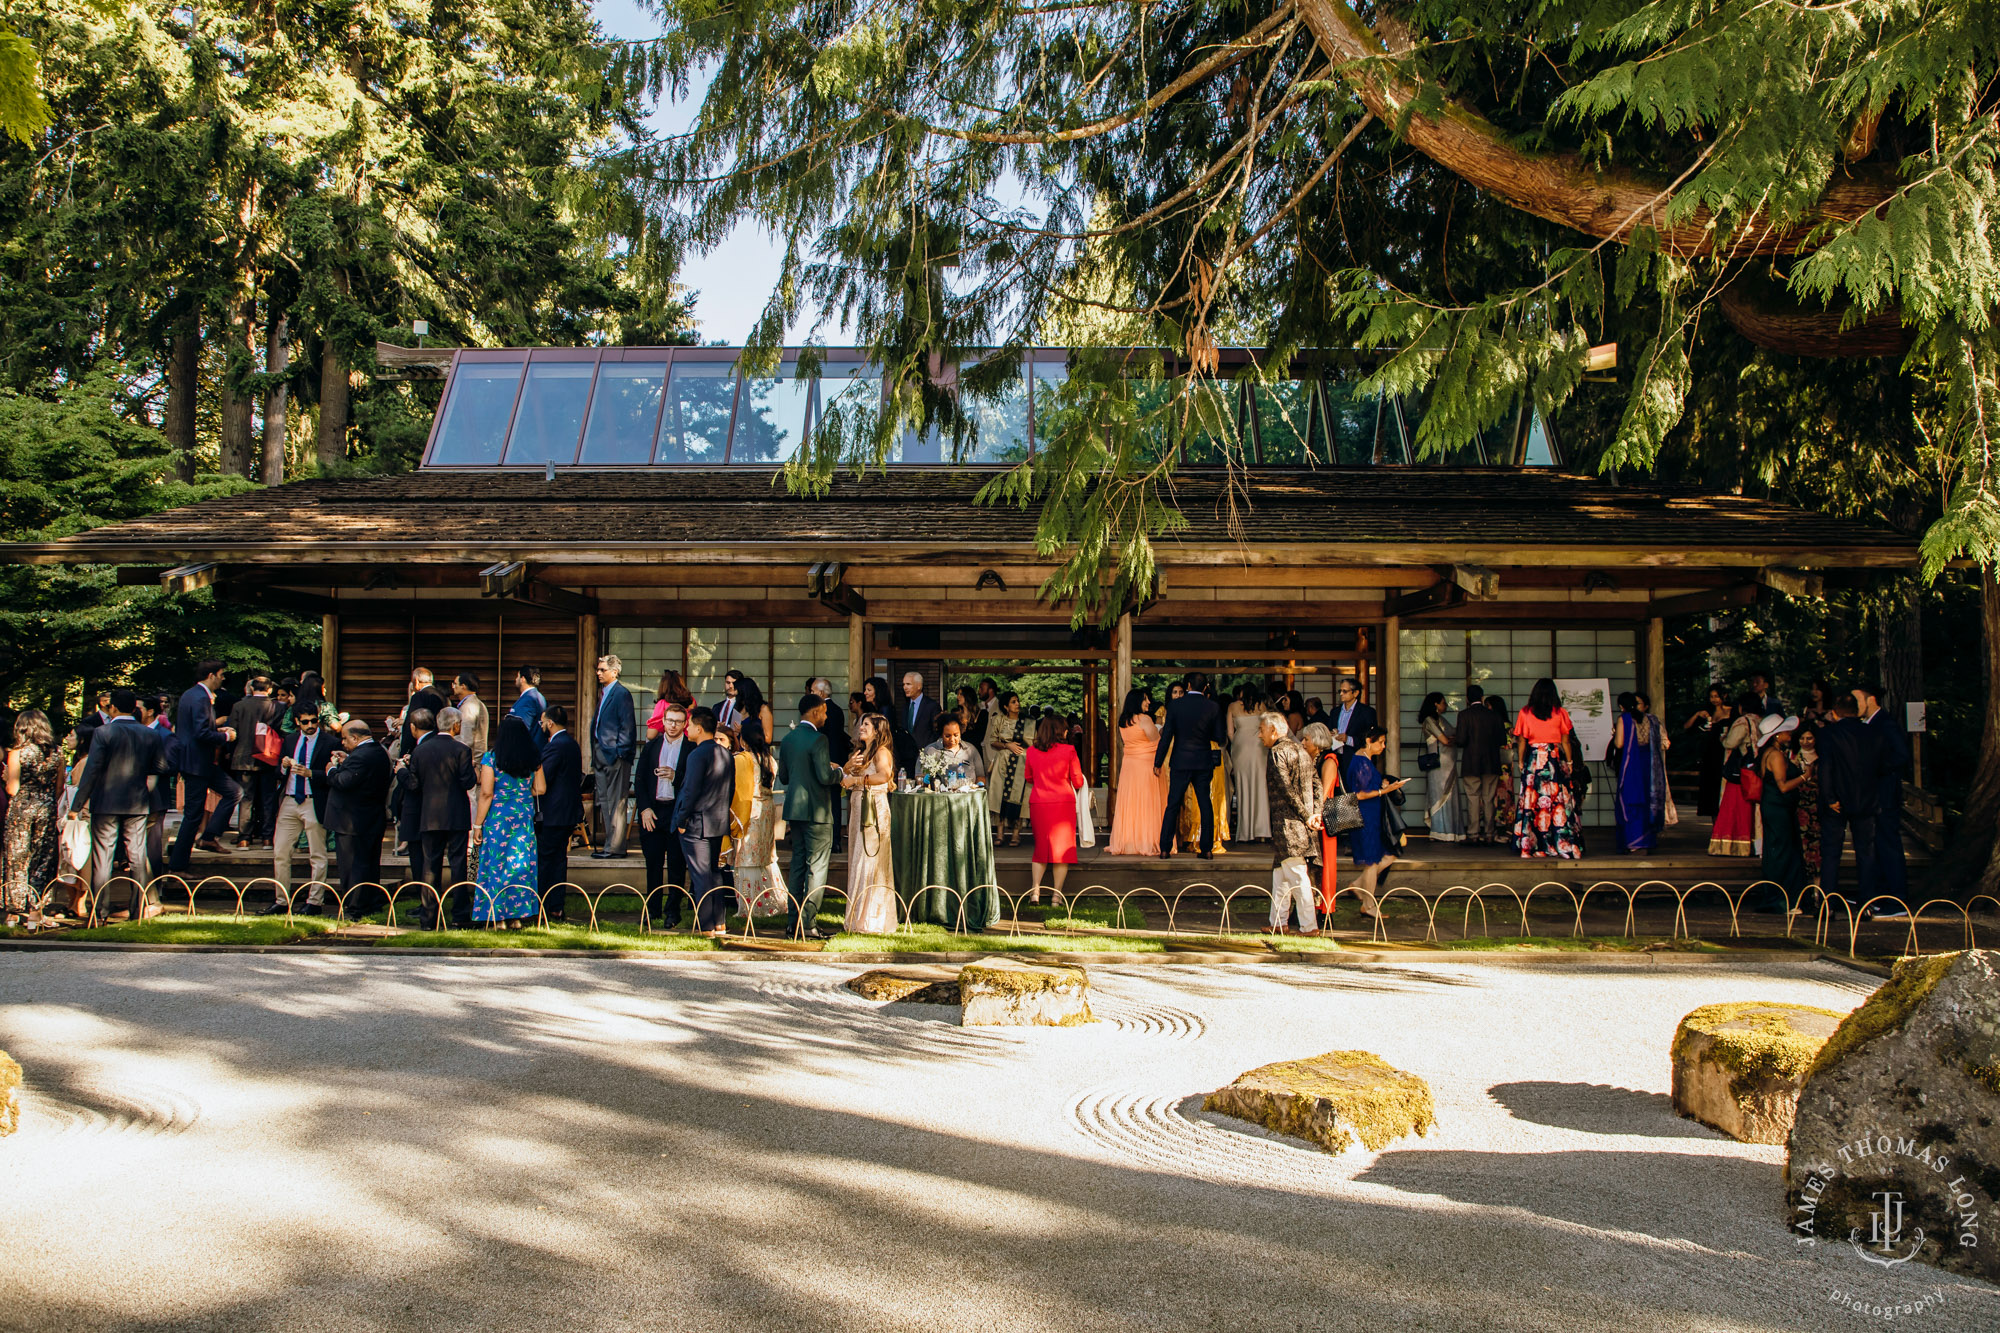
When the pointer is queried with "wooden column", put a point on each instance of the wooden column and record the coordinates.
(857, 656)
(329, 655)
(586, 685)
(1121, 685)
(1653, 664)
(1390, 705)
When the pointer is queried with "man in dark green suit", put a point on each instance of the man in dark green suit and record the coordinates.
(807, 773)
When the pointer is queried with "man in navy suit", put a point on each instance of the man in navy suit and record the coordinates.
(127, 764)
(1851, 767)
(196, 739)
(614, 739)
(1351, 718)
(1893, 742)
(357, 808)
(301, 806)
(561, 810)
(1193, 721)
(435, 776)
(701, 816)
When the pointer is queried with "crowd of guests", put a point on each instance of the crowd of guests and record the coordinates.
(487, 810)
(1797, 789)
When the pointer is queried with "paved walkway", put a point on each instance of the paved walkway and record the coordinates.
(331, 1142)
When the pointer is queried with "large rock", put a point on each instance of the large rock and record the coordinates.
(1738, 1067)
(1331, 1100)
(1004, 993)
(913, 985)
(1896, 1148)
(10, 1106)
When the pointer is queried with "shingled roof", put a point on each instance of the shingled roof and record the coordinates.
(1385, 514)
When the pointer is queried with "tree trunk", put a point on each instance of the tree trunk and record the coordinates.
(183, 387)
(277, 357)
(1972, 860)
(332, 406)
(236, 405)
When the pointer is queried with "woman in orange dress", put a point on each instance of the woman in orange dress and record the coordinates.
(1054, 776)
(1135, 823)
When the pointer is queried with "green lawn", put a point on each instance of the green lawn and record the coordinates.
(193, 930)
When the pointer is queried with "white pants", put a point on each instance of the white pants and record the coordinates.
(1292, 882)
(293, 816)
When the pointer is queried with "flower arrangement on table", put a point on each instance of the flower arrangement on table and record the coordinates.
(933, 767)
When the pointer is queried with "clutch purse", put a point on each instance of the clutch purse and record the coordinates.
(1430, 761)
(1341, 813)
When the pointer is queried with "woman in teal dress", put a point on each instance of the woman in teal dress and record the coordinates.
(510, 778)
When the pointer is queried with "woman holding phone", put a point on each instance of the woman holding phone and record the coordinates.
(1369, 844)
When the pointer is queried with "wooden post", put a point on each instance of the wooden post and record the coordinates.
(857, 656)
(1654, 666)
(1390, 706)
(329, 654)
(586, 685)
(1121, 685)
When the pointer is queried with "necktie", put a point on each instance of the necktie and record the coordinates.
(913, 715)
(298, 779)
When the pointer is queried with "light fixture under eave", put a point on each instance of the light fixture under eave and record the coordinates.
(989, 579)
(1604, 356)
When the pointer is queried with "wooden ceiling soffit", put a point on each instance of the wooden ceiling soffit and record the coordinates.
(1696, 603)
(516, 582)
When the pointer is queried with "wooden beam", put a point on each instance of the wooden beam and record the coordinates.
(586, 686)
(547, 597)
(1653, 669)
(1121, 683)
(1479, 583)
(1390, 704)
(316, 550)
(1792, 582)
(857, 657)
(187, 578)
(825, 583)
(1440, 596)
(1235, 612)
(329, 653)
(1743, 594)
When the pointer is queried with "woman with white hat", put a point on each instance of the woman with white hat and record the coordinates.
(1784, 862)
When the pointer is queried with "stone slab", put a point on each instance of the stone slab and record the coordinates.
(1005, 993)
(1737, 1068)
(1333, 1100)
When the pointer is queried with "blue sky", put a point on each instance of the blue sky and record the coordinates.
(734, 280)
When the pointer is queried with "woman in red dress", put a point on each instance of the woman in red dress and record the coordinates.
(1054, 776)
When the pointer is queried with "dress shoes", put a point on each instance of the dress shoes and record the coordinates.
(211, 845)
(275, 909)
(601, 855)
(314, 909)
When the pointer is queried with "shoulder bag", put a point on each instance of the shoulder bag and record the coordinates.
(1341, 813)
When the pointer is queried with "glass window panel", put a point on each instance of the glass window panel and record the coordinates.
(1351, 423)
(771, 420)
(624, 410)
(1541, 450)
(476, 416)
(550, 417)
(695, 425)
(1212, 434)
(1051, 415)
(1001, 422)
(1284, 421)
(852, 389)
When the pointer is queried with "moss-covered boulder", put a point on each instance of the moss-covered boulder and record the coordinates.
(1005, 993)
(1738, 1067)
(1332, 1100)
(10, 1103)
(913, 985)
(1895, 1151)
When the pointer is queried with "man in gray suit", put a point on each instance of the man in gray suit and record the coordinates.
(811, 781)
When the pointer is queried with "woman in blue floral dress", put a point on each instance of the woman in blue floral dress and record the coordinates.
(510, 777)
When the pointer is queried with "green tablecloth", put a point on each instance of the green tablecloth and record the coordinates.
(943, 849)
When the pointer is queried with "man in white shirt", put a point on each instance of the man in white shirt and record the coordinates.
(658, 766)
(301, 809)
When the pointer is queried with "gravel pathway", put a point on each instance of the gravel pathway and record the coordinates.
(229, 1141)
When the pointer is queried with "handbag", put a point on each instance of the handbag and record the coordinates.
(270, 745)
(1341, 813)
(1430, 761)
(1752, 783)
(1086, 831)
(76, 841)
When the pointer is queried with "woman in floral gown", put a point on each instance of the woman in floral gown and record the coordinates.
(1545, 801)
(510, 778)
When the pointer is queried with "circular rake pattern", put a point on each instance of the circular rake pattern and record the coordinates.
(1148, 1020)
(813, 991)
(90, 1107)
(1169, 1131)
